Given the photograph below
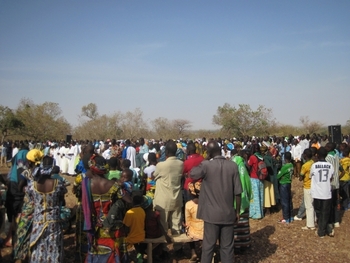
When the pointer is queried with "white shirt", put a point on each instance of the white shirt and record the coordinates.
(321, 174)
(304, 145)
(131, 155)
(107, 154)
(62, 151)
(149, 170)
(152, 150)
(296, 152)
(226, 154)
(14, 152)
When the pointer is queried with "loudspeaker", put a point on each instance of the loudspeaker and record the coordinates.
(335, 133)
(68, 138)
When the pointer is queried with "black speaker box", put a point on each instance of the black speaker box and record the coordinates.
(68, 138)
(335, 134)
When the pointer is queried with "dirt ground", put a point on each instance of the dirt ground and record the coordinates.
(271, 242)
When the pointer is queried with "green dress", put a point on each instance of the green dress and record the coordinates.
(242, 238)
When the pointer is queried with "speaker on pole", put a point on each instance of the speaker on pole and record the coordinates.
(335, 134)
(68, 138)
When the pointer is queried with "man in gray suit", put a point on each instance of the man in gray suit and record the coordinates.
(220, 187)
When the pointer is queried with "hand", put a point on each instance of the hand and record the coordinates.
(168, 239)
(237, 218)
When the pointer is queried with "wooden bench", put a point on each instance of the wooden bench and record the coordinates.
(183, 238)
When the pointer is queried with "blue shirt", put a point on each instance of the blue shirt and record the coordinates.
(143, 148)
(124, 152)
(4, 151)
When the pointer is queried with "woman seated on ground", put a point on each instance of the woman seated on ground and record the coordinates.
(47, 194)
(98, 193)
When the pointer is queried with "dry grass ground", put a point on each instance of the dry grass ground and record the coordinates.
(271, 242)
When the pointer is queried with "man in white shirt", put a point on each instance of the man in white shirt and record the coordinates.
(3, 154)
(63, 151)
(321, 175)
(304, 143)
(107, 153)
(142, 151)
(14, 149)
(131, 154)
(296, 156)
(73, 154)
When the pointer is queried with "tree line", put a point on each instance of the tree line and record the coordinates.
(45, 121)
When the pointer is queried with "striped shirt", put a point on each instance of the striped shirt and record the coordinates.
(333, 159)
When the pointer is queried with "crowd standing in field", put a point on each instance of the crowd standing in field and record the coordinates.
(135, 189)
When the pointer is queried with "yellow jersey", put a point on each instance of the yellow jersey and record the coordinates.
(305, 171)
(345, 163)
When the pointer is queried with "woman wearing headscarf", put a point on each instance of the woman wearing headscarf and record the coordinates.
(256, 206)
(98, 193)
(15, 195)
(24, 227)
(81, 243)
(242, 228)
(47, 194)
(269, 189)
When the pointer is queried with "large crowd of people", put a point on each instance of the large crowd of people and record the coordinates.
(129, 190)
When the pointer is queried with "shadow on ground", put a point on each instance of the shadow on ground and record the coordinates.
(261, 247)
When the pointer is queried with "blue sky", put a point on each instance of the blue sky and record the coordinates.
(179, 59)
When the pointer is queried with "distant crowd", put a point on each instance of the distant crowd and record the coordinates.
(129, 190)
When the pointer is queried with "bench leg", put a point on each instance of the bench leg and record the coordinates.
(149, 253)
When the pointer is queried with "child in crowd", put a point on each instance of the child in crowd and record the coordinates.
(55, 175)
(194, 226)
(125, 181)
(136, 181)
(114, 169)
(285, 186)
(114, 218)
(151, 162)
(153, 226)
(134, 221)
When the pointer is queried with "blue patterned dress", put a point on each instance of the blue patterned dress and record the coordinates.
(257, 203)
(46, 239)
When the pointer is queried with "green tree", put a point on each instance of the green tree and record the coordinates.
(133, 125)
(285, 130)
(243, 120)
(90, 111)
(100, 128)
(181, 127)
(162, 128)
(42, 121)
(346, 128)
(9, 123)
(310, 126)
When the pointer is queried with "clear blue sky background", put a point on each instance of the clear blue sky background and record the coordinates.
(179, 59)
